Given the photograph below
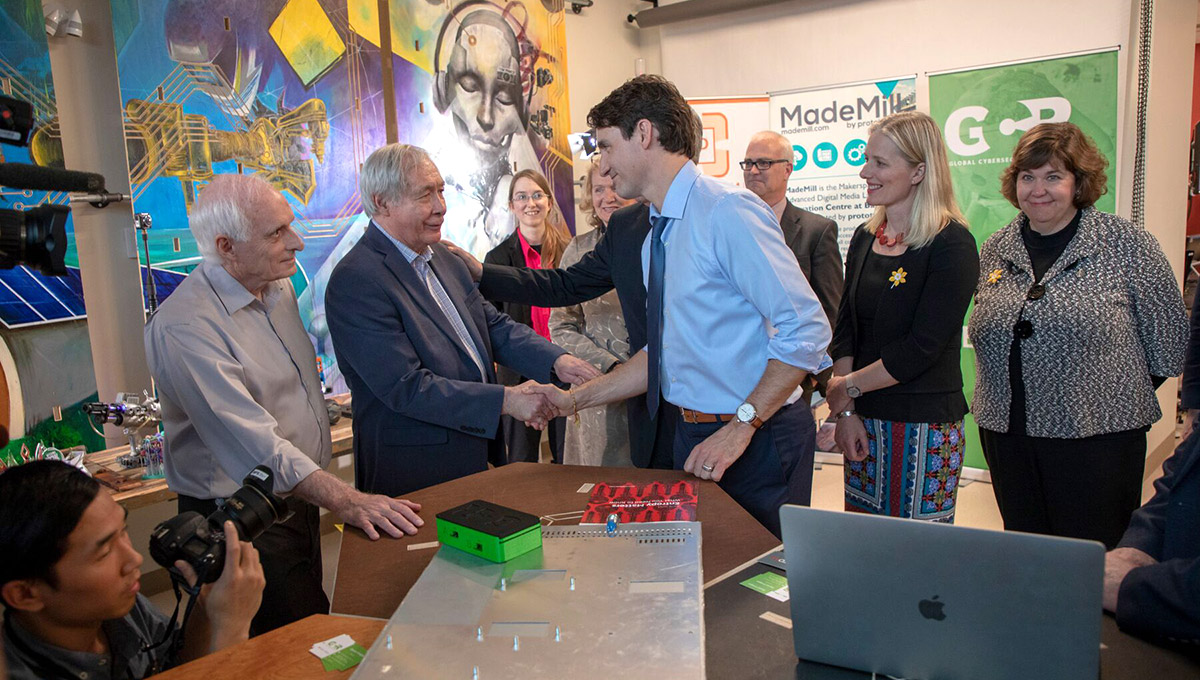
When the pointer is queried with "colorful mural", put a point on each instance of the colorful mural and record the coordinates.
(293, 89)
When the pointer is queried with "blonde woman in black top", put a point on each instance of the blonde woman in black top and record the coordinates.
(910, 273)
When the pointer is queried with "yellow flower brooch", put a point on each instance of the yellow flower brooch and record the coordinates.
(994, 277)
(898, 277)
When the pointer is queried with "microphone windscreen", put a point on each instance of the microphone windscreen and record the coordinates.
(39, 178)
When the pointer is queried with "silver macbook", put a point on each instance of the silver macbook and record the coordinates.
(921, 600)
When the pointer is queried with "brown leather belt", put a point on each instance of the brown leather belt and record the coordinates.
(690, 416)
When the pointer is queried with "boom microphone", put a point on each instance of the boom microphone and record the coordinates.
(39, 178)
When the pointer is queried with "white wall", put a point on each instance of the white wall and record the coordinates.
(806, 43)
(601, 50)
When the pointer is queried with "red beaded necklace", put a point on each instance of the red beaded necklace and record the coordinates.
(884, 240)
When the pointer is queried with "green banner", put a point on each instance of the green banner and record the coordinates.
(983, 113)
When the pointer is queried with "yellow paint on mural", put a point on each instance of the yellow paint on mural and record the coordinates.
(413, 24)
(307, 39)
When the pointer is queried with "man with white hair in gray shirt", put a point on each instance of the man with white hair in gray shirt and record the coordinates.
(237, 381)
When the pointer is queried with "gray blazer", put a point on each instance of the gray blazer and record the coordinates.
(814, 241)
(1110, 317)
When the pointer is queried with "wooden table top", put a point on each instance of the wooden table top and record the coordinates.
(374, 576)
(153, 491)
(281, 653)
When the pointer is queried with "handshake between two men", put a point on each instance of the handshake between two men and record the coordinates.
(536, 404)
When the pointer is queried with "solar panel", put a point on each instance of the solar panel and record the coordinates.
(29, 298)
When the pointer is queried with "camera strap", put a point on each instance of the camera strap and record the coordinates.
(174, 634)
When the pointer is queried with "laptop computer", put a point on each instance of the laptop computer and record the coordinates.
(921, 600)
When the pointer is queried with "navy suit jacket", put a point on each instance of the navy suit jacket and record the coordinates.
(615, 262)
(1163, 600)
(422, 415)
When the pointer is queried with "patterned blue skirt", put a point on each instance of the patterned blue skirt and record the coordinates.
(911, 470)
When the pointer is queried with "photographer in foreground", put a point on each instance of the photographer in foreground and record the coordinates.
(69, 582)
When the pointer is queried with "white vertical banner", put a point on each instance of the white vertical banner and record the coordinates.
(827, 127)
(729, 123)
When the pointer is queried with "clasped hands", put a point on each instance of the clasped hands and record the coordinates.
(536, 404)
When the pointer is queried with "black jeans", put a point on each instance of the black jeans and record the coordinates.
(1078, 488)
(290, 553)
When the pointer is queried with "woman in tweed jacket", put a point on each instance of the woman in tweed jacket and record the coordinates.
(1077, 320)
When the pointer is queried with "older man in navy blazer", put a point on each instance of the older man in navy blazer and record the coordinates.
(416, 341)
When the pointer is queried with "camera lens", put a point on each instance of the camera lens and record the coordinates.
(200, 541)
(36, 237)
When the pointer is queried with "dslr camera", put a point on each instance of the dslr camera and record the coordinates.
(200, 541)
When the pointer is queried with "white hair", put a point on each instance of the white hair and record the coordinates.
(225, 207)
(387, 174)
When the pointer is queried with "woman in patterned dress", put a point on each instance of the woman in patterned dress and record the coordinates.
(897, 385)
(595, 331)
(1077, 320)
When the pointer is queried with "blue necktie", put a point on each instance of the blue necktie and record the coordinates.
(654, 314)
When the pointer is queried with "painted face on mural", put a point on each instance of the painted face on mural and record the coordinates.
(485, 77)
(891, 179)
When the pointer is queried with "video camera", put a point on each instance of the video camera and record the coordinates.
(38, 236)
(200, 541)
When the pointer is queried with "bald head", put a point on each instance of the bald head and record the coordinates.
(771, 184)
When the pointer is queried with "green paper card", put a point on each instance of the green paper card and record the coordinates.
(770, 584)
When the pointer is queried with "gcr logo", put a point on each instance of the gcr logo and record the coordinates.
(801, 157)
(1041, 110)
(855, 152)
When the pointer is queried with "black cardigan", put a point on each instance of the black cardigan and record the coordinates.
(918, 325)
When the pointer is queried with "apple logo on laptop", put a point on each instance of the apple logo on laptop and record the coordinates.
(932, 609)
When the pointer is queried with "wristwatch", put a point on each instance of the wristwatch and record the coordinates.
(852, 391)
(746, 413)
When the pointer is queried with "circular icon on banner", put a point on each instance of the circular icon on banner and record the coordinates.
(825, 155)
(855, 152)
(801, 157)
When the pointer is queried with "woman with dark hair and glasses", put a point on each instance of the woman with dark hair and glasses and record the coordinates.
(1077, 320)
(538, 242)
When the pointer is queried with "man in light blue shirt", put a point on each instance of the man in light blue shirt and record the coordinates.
(733, 326)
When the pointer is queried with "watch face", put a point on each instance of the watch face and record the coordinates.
(746, 412)
(853, 392)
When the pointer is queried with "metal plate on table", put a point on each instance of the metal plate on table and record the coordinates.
(587, 604)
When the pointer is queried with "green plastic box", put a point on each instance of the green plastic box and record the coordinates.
(491, 531)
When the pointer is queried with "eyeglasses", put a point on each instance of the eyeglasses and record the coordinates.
(763, 164)
(523, 197)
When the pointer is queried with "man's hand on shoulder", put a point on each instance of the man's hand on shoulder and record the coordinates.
(473, 265)
(1117, 565)
(572, 369)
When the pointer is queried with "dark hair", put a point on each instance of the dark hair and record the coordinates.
(1065, 143)
(657, 100)
(41, 503)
